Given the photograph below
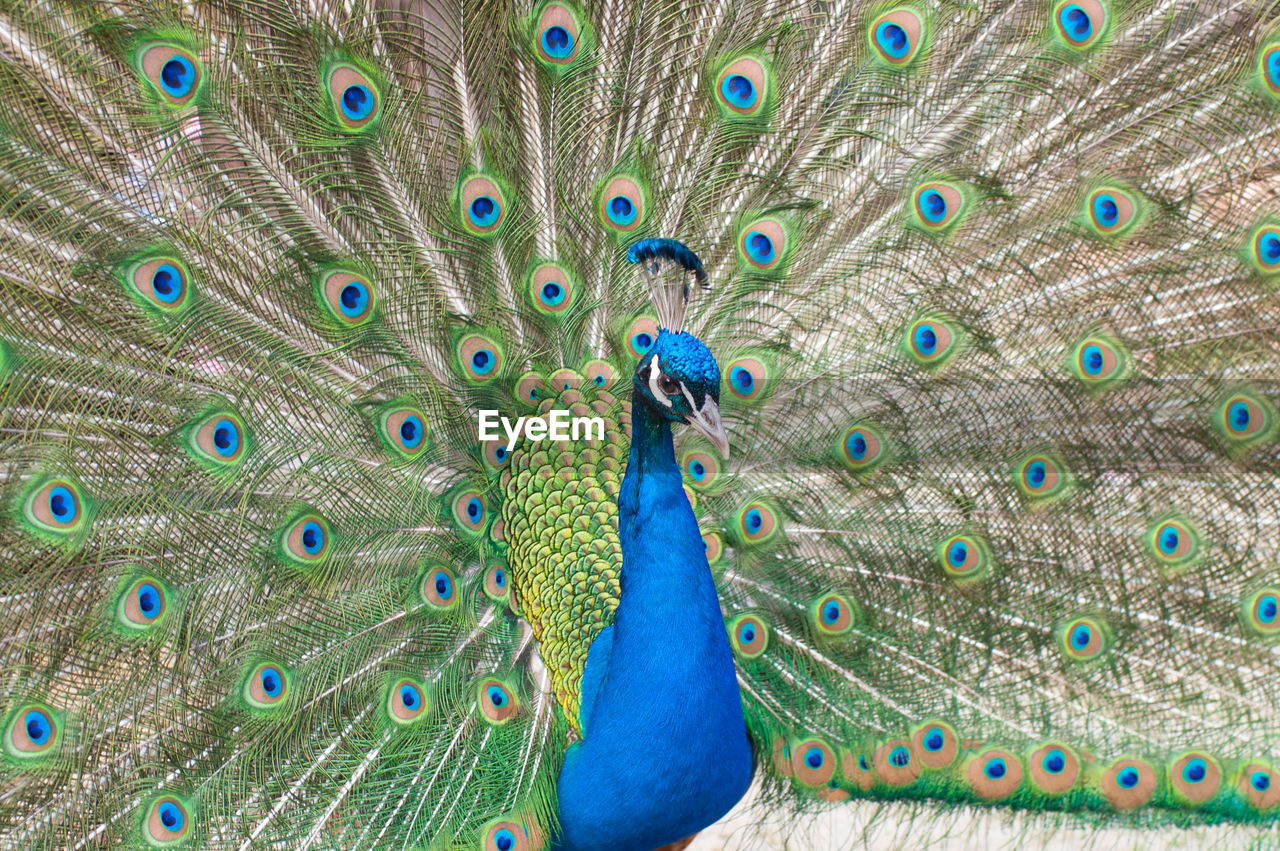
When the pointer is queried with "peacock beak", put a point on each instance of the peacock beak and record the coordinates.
(707, 422)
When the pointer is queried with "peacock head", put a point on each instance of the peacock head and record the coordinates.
(678, 380)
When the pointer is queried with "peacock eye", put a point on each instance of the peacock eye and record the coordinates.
(668, 385)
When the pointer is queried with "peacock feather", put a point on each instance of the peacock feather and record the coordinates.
(920, 369)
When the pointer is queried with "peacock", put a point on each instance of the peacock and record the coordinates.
(886, 401)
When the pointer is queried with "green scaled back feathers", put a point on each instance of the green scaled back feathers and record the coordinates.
(995, 303)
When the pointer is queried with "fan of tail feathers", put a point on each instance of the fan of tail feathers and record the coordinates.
(994, 296)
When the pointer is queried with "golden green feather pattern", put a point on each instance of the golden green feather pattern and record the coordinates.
(560, 525)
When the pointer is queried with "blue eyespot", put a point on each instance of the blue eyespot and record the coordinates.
(357, 102)
(813, 757)
(353, 299)
(900, 757)
(497, 696)
(166, 283)
(1269, 243)
(934, 740)
(957, 553)
(1075, 23)
(552, 294)
(1238, 416)
(741, 380)
(505, 840)
(1091, 359)
(409, 697)
(499, 577)
(1260, 780)
(62, 505)
(557, 42)
(38, 727)
(475, 510)
(1195, 770)
(1054, 762)
(831, 612)
(483, 361)
(1273, 77)
(149, 601)
(411, 432)
(697, 470)
(1128, 777)
(933, 206)
(1267, 608)
(620, 210)
(995, 768)
(312, 537)
(1081, 636)
(1169, 539)
(1105, 209)
(893, 39)
(642, 341)
(226, 438)
(177, 76)
(738, 91)
(272, 682)
(754, 520)
(444, 585)
(857, 445)
(1036, 473)
(747, 634)
(171, 817)
(925, 339)
(759, 247)
(484, 211)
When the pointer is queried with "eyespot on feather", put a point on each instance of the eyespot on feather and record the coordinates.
(552, 289)
(937, 206)
(498, 702)
(346, 297)
(507, 835)
(404, 430)
(813, 762)
(895, 765)
(1195, 777)
(965, 558)
(701, 469)
(1111, 211)
(862, 448)
(356, 98)
(406, 702)
(1174, 543)
(763, 245)
(599, 373)
(856, 770)
(174, 72)
(218, 439)
(266, 686)
(747, 379)
(469, 510)
(1259, 784)
(167, 820)
(33, 731)
(714, 546)
(1054, 768)
(743, 87)
(1245, 418)
(56, 506)
(1041, 476)
(897, 36)
(935, 744)
(479, 358)
(932, 340)
(994, 774)
(159, 283)
(497, 583)
(482, 205)
(142, 604)
(622, 204)
(438, 587)
(756, 523)
(1269, 69)
(640, 336)
(1128, 783)
(306, 540)
(1084, 639)
(1099, 362)
(531, 388)
(833, 614)
(749, 635)
(1263, 249)
(557, 36)
(1080, 24)
(1260, 612)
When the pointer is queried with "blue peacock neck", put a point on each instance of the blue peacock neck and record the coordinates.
(665, 751)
